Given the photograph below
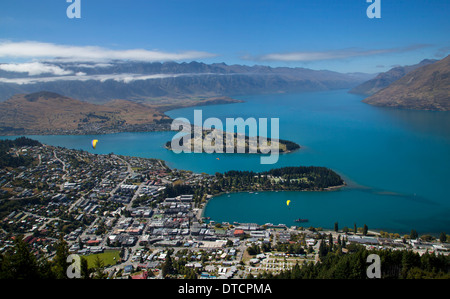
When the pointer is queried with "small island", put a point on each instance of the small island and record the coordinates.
(285, 146)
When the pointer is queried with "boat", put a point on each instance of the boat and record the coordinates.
(301, 220)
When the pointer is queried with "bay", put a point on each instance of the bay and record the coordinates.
(396, 162)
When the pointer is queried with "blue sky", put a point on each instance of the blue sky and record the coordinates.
(317, 34)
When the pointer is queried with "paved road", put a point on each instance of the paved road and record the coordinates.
(136, 194)
(130, 172)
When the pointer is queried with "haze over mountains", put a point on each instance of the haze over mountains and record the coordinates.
(158, 82)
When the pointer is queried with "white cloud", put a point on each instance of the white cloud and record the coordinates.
(313, 56)
(39, 50)
(124, 78)
(329, 55)
(34, 68)
(91, 66)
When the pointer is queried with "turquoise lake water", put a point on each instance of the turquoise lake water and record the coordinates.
(396, 162)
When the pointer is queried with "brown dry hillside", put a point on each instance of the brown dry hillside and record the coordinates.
(43, 112)
(135, 113)
(426, 88)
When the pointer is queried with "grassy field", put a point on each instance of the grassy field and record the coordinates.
(107, 257)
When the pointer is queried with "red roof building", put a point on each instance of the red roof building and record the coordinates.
(238, 232)
(142, 275)
(92, 242)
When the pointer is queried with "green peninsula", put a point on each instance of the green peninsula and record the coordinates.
(300, 178)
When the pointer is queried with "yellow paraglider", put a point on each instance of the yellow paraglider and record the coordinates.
(94, 143)
(288, 202)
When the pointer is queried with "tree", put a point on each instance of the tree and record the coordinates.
(413, 235)
(443, 237)
(365, 230)
(323, 250)
(98, 266)
(191, 274)
(427, 238)
(396, 264)
(254, 249)
(355, 229)
(336, 227)
(84, 268)
(60, 260)
(266, 247)
(409, 261)
(330, 242)
(20, 265)
(167, 267)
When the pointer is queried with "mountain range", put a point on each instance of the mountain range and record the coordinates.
(161, 83)
(92, 98)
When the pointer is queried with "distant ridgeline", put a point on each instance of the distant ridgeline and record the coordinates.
(10, 160)
(310, 178)
(285, 146)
